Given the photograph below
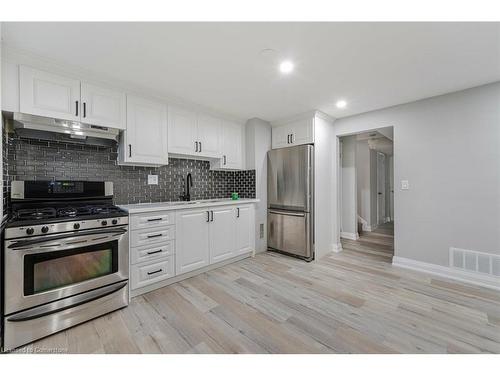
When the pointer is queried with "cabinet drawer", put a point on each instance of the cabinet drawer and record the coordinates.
(151, 236)
(152, 272)
(151, 220)
(151, 252)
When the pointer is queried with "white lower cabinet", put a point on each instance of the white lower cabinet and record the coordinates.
(222, 234)
(152, 272)
(164, 244)
(192, 247)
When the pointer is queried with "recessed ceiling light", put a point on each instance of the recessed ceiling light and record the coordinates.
(341, 104)
(286, 67)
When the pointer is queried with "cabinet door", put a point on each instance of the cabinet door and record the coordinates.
(302, 132)
(50, 95)
(245, 234)
(181, 131)
(192, 240)
(146, 134)
(209, 136)
(281, 137)
(222, 234)
(232, 146)
(103, 107)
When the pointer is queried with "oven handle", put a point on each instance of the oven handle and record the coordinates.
(67, 303)
(36, 241)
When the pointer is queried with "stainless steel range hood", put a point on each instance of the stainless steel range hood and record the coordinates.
(30, 126)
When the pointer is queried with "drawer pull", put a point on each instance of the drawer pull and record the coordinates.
(154, 252)
(153, 272)
(156, 219)
(155, 235)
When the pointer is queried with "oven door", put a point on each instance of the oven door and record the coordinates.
(43, 269)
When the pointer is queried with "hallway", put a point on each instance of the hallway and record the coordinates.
(379, 242)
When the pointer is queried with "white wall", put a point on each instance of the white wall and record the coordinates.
(349, 223)
(448, 147)
(258, 142)
(324, 157)
(373, 189)
(363, 182)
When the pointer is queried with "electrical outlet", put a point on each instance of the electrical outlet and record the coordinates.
(262, 230)
(405, 185)
(153, 179)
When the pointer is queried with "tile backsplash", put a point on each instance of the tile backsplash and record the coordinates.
(31, 159)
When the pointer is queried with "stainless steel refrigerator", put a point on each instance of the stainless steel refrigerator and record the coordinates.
(290, 195)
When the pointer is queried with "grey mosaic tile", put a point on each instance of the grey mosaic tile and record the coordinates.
(29, 159)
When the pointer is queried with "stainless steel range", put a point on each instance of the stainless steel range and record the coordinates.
(65, 257)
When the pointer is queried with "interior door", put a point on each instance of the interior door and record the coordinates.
(146, 134)
(209, 136)
(222, 234)
(103, 107)
(192, 240)
(381, 188)
(49, 95)
(181, 131)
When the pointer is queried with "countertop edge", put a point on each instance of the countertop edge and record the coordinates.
(134, 209)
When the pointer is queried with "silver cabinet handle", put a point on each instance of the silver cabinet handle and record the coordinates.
(287, 213)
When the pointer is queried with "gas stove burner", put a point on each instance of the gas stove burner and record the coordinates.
(105, 209)
(67, 212)
(35, 213)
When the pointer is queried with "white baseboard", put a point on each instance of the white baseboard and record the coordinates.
(487, 281)
(349, 236)
(337, 248)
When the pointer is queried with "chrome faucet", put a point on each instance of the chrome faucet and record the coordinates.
(189, 183)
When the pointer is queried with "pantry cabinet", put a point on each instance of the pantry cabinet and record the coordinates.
(293, 133)
(52, 95)
(144, 142)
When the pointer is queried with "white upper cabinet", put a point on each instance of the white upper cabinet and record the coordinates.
(49, 95)
(194, 134)
(103, 107)
(209, 136)
(182, 135)
(232, 147)
(293, 133)
(145, 141)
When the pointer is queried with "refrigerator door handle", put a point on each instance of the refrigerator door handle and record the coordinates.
(288, 213)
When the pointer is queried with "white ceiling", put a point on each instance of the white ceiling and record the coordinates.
(219, 65)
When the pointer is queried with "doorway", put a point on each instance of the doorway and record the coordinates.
(366, 198)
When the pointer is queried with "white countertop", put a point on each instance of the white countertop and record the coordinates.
(180, 205)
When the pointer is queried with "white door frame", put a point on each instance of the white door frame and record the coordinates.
(336, 245)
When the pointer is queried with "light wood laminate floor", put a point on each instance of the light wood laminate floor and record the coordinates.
(350, 302)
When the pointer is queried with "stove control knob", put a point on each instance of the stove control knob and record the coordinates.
(45, 229)
(76, 226)
(30, 231)
(104, 223)
(114, 222)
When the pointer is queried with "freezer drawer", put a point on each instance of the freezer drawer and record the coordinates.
(290, 232)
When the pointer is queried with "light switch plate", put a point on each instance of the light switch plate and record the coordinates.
(405, 185)
(152, 179)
